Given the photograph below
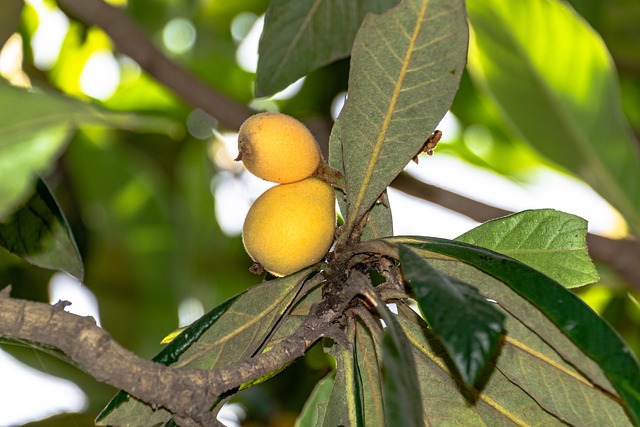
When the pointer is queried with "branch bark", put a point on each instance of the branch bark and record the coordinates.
(186, 393)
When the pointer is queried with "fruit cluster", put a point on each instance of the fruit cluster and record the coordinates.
(291, 225)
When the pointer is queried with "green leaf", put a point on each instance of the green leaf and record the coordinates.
(379, 222)
(469, 326)
(555, 82)
(39, 233)
(400, 387)
(356, 395)
(400, 384)
(368, 357)
(550, 241)
(531, 384)
(233, 331)
(34, 128)
(343, 406)
(300, 36)
(585, 340)
(405, 69)
(315, 407)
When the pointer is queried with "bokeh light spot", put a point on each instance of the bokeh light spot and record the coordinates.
(241, 25)
(179, 35)
(100, 76)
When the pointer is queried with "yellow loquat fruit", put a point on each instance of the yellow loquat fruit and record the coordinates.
(278, 148)
(291, 226)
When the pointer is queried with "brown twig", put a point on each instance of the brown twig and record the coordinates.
(621, 255)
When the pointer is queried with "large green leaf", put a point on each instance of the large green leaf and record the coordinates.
(469, 326)
(231, 332)
(379, 221)
(555, 82)
(343, 406)
(302, 35)
(530, 385)
(400, 386)
(358, 383)
(34, 128)
(39, 233)
(550, 241)
(405, 69)
(558, 316)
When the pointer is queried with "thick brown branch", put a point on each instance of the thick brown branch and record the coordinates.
(94, 351)
(186, 393)
(621, 255)
(132, 41)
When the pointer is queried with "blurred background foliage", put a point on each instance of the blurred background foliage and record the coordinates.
(139, 194)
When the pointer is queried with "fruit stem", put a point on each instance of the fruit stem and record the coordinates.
(330, 175)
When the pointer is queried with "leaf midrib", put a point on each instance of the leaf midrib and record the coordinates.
(220, 341)
(371, 166)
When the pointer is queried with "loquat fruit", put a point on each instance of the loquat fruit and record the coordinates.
(291, 226)
(278, 148)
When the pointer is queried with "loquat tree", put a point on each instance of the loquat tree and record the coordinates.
(487, 328)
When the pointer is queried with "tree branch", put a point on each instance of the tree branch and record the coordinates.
(131, 40)
(186, 393)
(94, 351)
(621, 255)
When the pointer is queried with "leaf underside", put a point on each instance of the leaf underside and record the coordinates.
(379, 219)
(575, 338)
(530, 385)
(405, 69)
(39, 233)
(233, 331)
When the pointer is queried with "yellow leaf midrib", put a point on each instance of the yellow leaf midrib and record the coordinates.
(253, 320)
(387, 119)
